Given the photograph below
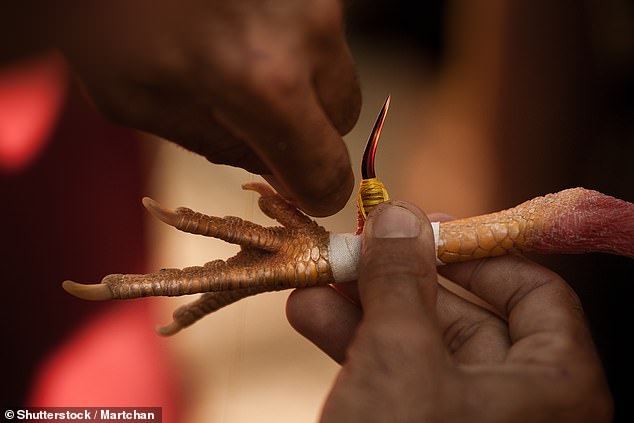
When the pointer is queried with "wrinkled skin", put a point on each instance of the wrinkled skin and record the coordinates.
(266, 86)
(411, 351)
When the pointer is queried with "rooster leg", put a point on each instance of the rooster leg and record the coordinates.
(271, 258)
(209, 302)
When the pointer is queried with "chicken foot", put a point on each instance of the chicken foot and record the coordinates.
(301, 253)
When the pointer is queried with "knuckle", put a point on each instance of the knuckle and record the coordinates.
(567, 345)
(464, 329)
(263, 78)
(274, 81)
(530, 278)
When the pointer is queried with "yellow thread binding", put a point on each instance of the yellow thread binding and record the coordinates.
(371, 194)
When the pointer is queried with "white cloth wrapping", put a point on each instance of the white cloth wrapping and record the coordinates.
(344, 251)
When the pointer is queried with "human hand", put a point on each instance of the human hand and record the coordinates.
(266, 86)
(418, 352)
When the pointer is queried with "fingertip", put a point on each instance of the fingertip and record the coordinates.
(279, 187)
(319, 178)
(310, 310)
(319, 187)
(301, 148)
(399, 220)
(294, 310)
(325, 192)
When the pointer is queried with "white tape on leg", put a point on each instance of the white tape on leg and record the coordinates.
(436, 228)
(344, 251)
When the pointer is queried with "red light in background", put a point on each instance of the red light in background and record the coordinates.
(115, 360)
(31, 96)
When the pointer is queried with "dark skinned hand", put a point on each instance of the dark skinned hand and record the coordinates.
(266, 86)
(416, 352)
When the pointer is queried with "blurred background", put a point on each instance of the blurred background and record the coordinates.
(493, 103)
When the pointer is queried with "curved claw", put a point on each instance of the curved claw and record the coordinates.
(91, 292)
(168, 330)
(276, 207)
(260, 188)
(161, 213)
(230, 229)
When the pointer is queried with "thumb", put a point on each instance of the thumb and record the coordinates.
(397, 271)
(397, 360)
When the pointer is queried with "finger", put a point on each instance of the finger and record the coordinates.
(338, 89)
(325, 318)
(398, 283)
(397, 270)
(350, 289)
(542, 310)
(212, 141)
(180, 118)
(289, 130)
(472, 334)
(280, 188)
(463, 319)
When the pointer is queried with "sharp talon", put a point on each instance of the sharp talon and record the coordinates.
(169, 330)
(165, 215)
(263, 190)
(92, 292)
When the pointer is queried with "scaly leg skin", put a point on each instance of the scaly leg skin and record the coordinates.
(209, 302)
(572, 221)
(271, 259)
(299, 253)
